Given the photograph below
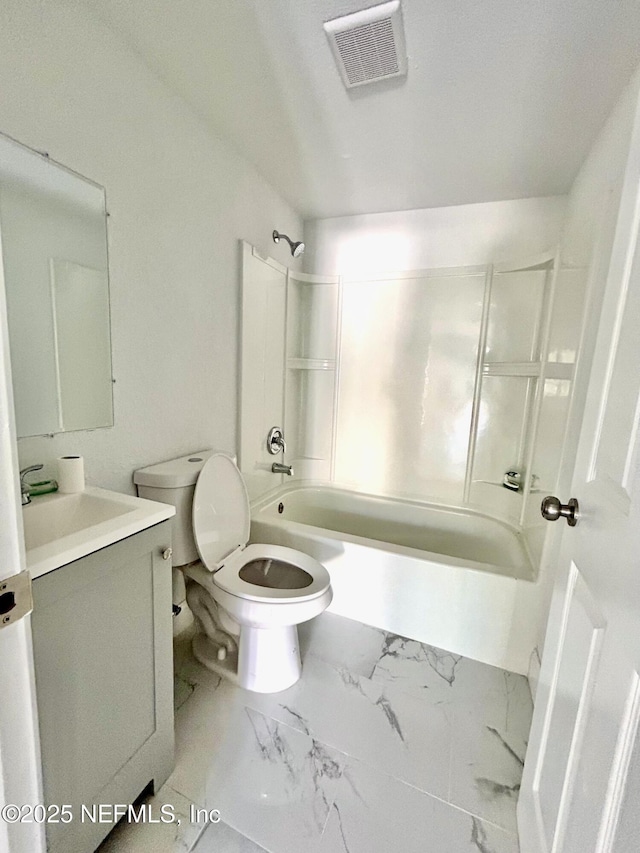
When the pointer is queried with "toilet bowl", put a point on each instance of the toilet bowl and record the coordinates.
(263, 592)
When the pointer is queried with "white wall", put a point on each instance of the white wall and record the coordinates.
(435, 237)
(179, 200)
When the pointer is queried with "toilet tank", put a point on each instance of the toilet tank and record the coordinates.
(174, 482)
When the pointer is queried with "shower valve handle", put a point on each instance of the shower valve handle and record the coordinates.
(275, 441)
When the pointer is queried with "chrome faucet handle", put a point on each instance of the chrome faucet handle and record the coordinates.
(512, 480)
(275, 441)
(24, 486)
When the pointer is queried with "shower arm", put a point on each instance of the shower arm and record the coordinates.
(296, 249)
(277, 237)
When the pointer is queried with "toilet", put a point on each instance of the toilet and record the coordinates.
(262, 592)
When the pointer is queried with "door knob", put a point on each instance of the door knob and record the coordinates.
(552, 510)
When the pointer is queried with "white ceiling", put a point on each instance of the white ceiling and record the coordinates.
(502, 99)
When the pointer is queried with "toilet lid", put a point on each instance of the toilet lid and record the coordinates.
(221, 516)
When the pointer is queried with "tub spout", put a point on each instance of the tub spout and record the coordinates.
(279, 468)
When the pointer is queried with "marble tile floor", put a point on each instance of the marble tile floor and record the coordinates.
(384, 744)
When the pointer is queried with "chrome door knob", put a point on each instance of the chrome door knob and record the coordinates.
(552, 510)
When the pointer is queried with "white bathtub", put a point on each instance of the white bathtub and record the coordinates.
(452, 578)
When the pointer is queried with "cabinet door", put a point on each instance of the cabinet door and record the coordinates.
(100, 627)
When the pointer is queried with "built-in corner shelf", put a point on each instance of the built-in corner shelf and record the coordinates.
(533, 490)
(311, 363)
(511, 368)
(552, 370)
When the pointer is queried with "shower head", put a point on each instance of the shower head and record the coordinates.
(296, 248)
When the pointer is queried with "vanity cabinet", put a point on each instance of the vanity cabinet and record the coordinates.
(102, 637)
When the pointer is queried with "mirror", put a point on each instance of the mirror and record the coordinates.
(54, 253)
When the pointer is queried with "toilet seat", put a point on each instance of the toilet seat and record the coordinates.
(221, 523)
(228, 576)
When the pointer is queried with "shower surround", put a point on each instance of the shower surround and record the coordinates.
(440, 391)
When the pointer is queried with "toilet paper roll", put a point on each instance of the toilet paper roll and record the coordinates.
(70, 474)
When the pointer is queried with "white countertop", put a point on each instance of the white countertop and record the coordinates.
(74, 525)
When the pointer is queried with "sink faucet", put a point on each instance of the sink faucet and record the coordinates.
(24, 486)
(279, 468)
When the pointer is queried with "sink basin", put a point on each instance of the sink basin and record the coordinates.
(60, 528)
(45, 521)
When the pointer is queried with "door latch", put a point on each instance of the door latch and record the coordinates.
(15, 598)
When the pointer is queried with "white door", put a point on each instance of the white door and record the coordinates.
(20, 782)
(581, 782)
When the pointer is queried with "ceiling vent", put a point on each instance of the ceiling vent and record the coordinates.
(369, 45)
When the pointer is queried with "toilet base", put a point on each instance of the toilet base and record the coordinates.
(268, 658)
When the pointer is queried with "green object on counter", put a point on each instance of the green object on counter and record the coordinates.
(43, 488)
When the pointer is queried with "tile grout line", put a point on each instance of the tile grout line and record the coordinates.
(432, 796)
